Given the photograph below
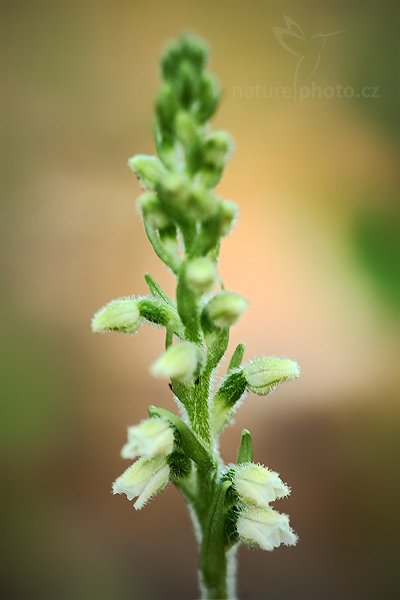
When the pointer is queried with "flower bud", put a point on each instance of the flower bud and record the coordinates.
(200, 202)
(195, 50)
(145, 478)
(149, 169)
(217, 150)
(180, 361)
(208, 97)
(185, 83)
(201, 275)
(229, 212)
(265, 528)
(166, 108)
(264, 374)
(120, 315)
(258, 485)
(152, 211)
(170, 59)
(225, 308)
(186, 128)
(173, 192)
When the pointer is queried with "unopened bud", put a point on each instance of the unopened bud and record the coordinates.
(166, 108)
(152, 211)
(186, 128)
(150, 438)
(208, 97)
(201, 275)
(200, 202)
(225, 308)
(173, 192)
(195, 50)
(180, 361)
(229, 212)
(264, 374)
(149, 169)
(218, 148)
(120, 315)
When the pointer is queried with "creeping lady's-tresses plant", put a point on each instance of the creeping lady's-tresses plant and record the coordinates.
(185, 220)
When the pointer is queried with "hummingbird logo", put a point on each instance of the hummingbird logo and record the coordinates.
(308, 49)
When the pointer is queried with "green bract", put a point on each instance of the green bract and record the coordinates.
(184, 221)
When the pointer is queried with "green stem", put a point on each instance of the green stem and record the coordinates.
(217, 562)
(224, 586)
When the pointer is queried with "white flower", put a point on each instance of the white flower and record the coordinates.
(258, 485)
(145, 478)
(150, 438)
(265, 528)
(263, 374)
(120, 315)
(180, 361)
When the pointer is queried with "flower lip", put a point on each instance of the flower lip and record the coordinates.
(265, 528)
(145, 478)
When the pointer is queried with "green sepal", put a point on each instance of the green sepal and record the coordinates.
(158, 312)
(229, 393)
(187, 307)
(237, 357)
(156, 291)
(171, 259)
(231, 389)
(245, 452)
(230, 531)
(216, 338)
(179, 463)
(192, 446)
(217, 344)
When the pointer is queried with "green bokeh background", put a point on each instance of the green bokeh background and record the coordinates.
(316, 251)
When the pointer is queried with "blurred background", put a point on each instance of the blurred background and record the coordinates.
(316, 251)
